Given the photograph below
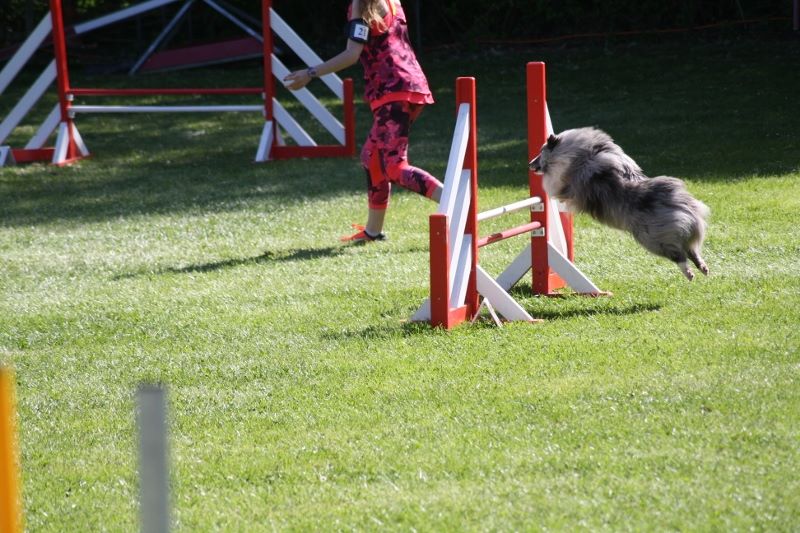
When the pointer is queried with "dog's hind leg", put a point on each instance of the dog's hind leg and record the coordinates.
(684, 266)
(678, 256)
(694, 255)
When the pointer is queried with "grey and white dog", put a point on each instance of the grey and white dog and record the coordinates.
(588, 172)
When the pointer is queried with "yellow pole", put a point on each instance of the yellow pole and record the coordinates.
(10, 512)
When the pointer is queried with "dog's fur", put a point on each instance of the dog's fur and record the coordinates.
(588, 172)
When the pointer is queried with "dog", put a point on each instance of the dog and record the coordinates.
(587, 171)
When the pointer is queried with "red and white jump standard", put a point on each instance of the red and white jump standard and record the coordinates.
(457, 280)
(69, 146)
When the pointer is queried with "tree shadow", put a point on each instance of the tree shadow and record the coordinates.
(303, 254)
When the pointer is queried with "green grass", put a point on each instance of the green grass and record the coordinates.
(301, 399)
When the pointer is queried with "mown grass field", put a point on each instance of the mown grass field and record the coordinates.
(300, 396)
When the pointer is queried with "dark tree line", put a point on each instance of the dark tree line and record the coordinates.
(437, 22)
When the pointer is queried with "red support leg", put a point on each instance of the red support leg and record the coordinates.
(440, 270)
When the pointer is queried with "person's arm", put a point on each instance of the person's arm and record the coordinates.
(300, 78)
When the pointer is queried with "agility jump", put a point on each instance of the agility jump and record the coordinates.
(457, 281)
(69, 145)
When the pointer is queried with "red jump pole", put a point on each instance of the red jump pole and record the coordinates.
(544, 280)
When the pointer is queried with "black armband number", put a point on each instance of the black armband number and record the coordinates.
(358, 31)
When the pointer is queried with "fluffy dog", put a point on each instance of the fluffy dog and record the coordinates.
(589, 173)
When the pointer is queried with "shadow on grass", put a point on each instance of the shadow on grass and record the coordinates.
(484, 320)
(561, 314)
(303, 254)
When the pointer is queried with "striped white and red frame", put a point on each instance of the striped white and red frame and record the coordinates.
(69, 146)
(457, 280)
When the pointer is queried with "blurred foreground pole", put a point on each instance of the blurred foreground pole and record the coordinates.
(153, 459)
(10, 508)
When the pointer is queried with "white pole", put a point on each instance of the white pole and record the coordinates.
(76, 109)
(153, 461)
(25, 52)
(30, 98)
(304, 52)
(510, 208)
(122, 14)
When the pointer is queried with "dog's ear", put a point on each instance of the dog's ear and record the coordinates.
(552, 141)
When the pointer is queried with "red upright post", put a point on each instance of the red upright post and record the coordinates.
(544, 280)
(62, 72)
(466, 93)
(269, 81)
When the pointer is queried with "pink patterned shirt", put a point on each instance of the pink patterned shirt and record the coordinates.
(391, 70)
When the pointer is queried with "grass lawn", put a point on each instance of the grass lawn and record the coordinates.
(301, 399)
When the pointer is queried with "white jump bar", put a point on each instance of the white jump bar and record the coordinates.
(165, 109)
(516, 206)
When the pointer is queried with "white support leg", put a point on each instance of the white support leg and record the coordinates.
(423, 314)
(292, 127)
(489, 307)
(518, 268)
(76, 136)
(502, 301)
(62, 144)
(48, 126)
(557, 237)
(6, 156)
(265, 144)
(565, 268)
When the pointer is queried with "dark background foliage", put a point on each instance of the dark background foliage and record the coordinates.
(433, 22)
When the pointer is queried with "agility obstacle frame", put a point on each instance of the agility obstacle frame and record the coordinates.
(457, 281)
(69, 145)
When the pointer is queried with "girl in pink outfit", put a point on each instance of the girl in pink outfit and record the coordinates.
(396, 90)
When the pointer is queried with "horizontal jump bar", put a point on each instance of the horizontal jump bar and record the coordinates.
(516, 206)
(166, 109)
(507, 234)
(150, 92)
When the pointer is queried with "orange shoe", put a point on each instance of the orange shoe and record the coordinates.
(362, 235)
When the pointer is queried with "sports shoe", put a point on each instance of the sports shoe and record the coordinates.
(362, 235)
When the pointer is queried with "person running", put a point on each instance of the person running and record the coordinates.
(397, 91)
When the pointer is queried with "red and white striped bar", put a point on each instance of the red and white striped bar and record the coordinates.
(507, 234)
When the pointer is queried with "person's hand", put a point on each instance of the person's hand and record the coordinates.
(297, 80)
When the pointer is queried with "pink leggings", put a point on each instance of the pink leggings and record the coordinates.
(385, 155)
